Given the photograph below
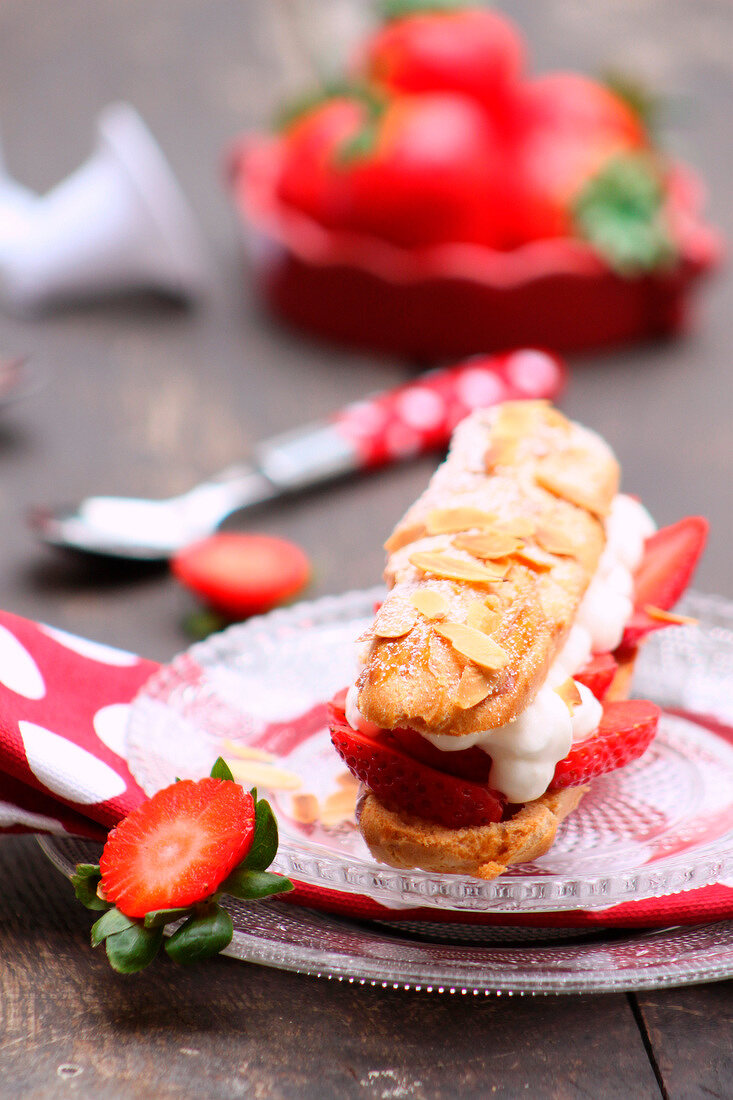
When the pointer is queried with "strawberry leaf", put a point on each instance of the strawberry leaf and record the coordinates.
(202, 936)
(85, 880)
(156, 918)
(621, 213)
(264, 844)
(134, 948)
(112, 922)
(221, 770)
(253, 885)
(401, 9)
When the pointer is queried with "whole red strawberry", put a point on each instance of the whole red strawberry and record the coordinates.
(427, 169)
(177, 847)
(434, 46)
(571, 128)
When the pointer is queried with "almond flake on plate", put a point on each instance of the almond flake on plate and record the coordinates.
(474, 645)
(455, 569)
(305, 808)
(255, 774)
(431, 604)
(669, 616)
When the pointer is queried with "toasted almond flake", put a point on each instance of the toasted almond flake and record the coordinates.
(448, 521)
(491, 544)
(431, 604)
(568, 692)
(472, 689)
(669, 616)
(500, 452)
(339, 807)
(533, 558)
(403, 536)
(394, 619)
(454, 569)
(443, 663)
(265, 775)
(246, 752)
(492, 601)
(576, 475)
(346, 780)
(474, 645)
(522, 527)
(555, 541)
(482, 618)
(305, 808)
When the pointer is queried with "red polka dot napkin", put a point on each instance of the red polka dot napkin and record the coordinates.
(64, 702)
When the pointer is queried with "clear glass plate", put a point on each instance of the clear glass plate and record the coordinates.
(256, 694)
(425, 957)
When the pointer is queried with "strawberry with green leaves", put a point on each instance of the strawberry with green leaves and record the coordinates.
(447, 46)
(171, 859)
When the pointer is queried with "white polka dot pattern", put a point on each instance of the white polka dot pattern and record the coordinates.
(18, 670)
(66, 769)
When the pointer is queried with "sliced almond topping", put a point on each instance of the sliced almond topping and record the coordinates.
(555, 541)
(576, 475)
(348, 781)
(519, 417)
(568, 692)
(447, 521)
(474, 645)
(403, 536)
(500, 452)
(522, 527)
(395, 618)
(443, 663)
(454, 569)
(472, 689)
(492, 601)
(669, 616)
(491, 544)
(534, 559)
(305, 808)
(482, 618)
(255, 774)
(431, 604)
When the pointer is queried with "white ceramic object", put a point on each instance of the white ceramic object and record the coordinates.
(119, 223)
(18, 206)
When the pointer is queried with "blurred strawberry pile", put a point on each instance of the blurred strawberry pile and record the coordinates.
(440, 134)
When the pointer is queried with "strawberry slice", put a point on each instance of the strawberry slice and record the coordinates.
(472, 764)
(178, 847)
(402, 783)
(598, 673)
(670, 557)
(625, 732)
(239, 574)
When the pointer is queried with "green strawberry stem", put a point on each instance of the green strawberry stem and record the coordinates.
(621, 213)
(323, 93)
(132, 943)
(644, 103)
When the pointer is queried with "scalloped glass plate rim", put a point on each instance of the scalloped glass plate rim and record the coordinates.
(278, 935)
(314, 865)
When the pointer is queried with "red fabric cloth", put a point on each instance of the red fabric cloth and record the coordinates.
(63, 711)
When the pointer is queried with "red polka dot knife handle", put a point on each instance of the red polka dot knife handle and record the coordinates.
(409, 420)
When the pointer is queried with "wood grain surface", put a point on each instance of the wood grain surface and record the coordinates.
(139, 397)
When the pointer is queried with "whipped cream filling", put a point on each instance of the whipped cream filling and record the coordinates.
(525, 751)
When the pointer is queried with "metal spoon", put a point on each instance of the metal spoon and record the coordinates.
(388, 427)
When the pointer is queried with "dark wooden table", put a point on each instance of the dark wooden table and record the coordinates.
(141, 398)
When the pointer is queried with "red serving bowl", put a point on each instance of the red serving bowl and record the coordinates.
(457, 299)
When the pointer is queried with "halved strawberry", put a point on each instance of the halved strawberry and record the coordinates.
(178, 847)
(240, 574)
(598, 673)
(473, 764)
(670, 557)
(625, 732)
(402, 783)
